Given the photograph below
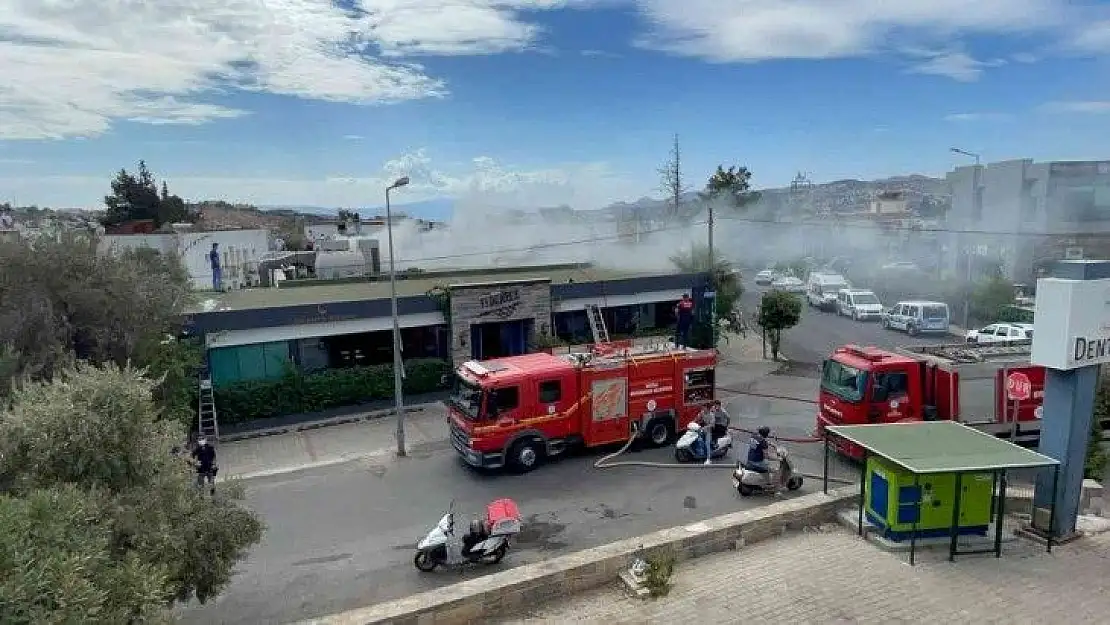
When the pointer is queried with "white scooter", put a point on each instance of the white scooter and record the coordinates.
(690, 447)
(487, 540)
(749, 482)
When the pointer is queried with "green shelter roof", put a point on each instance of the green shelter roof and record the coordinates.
(940, 447)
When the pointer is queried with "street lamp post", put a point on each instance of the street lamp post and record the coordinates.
(398, 364)
(975, 200)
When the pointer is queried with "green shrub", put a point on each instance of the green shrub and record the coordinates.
(298, 393)
(1097, 458)
(659, 570)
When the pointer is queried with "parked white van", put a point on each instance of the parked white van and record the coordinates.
(859, 304)
(822, 288)
(917, 316)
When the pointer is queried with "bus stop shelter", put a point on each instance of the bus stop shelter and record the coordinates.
(943, 447)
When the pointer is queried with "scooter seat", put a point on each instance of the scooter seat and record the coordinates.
(756, 469)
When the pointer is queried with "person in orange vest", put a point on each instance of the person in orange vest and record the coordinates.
(684, 314)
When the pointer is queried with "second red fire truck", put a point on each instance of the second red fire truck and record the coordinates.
(957, 382)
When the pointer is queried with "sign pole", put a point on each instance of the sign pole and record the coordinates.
(1072, 312)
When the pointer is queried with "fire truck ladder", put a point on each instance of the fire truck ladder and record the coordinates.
(207, 425)
(979, 353)
(597, 324)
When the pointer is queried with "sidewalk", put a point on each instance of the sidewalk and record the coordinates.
(324, 446)
(831, 576)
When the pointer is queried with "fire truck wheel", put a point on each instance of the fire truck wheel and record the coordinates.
(525, 456)
(659, 432)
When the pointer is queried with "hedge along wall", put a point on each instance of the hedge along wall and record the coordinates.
(297, 393)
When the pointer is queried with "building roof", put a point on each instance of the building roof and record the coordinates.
(940, 447)
(346, 291)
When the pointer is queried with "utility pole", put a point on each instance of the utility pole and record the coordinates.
(713, 278)
(398, 361)
(977, 210)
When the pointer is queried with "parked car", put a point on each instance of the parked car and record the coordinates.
(915, 317)
(765, 277)
(790, 284)
(822, 289)
(859, 304)
(1001, 333)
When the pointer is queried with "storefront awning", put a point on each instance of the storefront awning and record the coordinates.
(253, 336)
(650, 297)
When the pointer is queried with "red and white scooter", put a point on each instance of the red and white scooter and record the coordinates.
(486, 541)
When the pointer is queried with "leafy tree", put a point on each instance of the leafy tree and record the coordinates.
(724, 278)
(141, 519)
(138, 197)
(732, 184)
(57, 564)
(778, 311)
(990, 299)
(61, 300)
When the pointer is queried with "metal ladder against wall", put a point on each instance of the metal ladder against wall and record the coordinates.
(597, 324)
(207, 425)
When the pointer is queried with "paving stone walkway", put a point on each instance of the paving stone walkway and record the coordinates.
(830, 576)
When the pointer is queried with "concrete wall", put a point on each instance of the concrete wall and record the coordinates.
(521, 589)
(496, 302)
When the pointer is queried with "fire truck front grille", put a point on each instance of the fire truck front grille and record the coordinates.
(459, 438)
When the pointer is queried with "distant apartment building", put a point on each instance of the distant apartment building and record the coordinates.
(892, 203)
(1026, 214)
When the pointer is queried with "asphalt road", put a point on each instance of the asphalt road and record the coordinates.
(819, 333)
(343, 537)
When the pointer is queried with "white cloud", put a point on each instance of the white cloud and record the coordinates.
(71, 69)
(757, 30)
(976, 117)
(958, 66)
(483, 181)
(1087, 107)
(1092, 37)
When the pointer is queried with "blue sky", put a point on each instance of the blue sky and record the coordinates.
(533, 102)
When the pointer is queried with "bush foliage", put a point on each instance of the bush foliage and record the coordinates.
(297, 393)
(102, 522)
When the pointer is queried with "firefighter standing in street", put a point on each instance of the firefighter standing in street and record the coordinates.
(204, 457)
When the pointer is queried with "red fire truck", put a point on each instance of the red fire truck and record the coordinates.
(959, 382)
(514, 412)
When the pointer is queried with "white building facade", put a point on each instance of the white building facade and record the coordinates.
(240, 251)
(1010, 211)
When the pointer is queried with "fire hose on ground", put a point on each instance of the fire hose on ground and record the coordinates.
(607, 462)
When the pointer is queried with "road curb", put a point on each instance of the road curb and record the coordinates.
(320, 423)
(520, 589)
(308, 466)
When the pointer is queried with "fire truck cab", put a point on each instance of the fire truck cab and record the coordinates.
(958, 382)
(514, 412)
